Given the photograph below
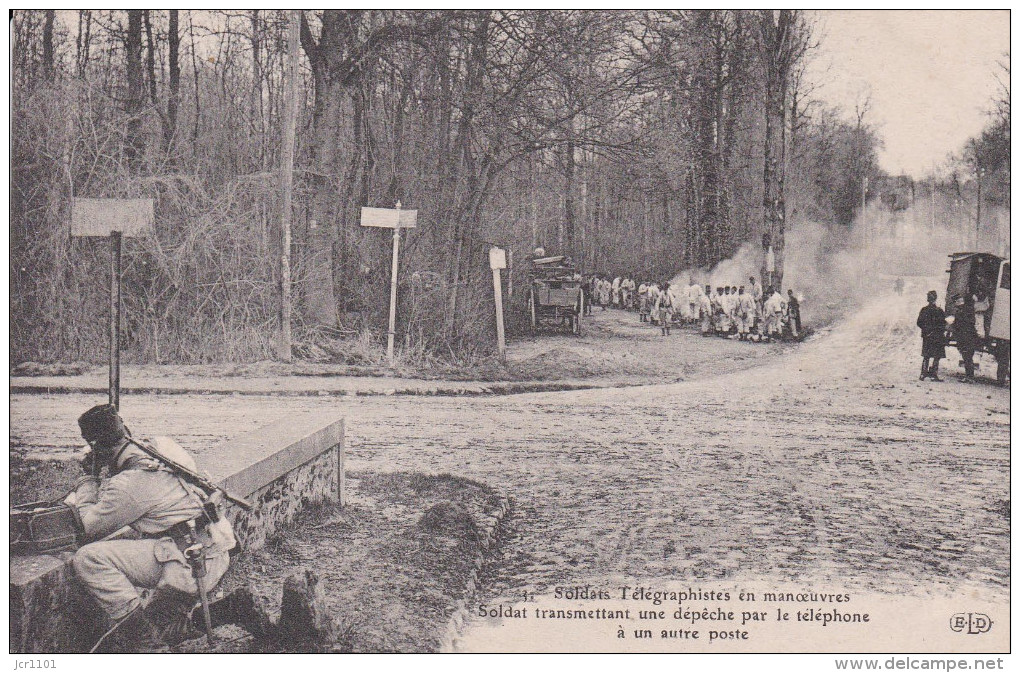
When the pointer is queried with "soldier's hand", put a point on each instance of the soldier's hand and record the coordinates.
(89, 464)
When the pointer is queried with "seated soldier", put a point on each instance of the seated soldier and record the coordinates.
(170, 516)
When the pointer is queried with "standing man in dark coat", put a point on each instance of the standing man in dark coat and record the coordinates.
(932, 321)
(793, 306)
(964, 331)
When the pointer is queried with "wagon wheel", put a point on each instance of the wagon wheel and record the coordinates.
(532, 310)
(580, 312)
(1002, 370)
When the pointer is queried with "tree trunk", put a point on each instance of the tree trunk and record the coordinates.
(777, 36)
(340, 58)
(134, 146)
(706, 91)
(328, 277)
(719, 77)
(477, 57)
(150, 56)
(396, 189)
(258, 122)
(287, 182)
(533, 167)
(305, 622)
(84, 42)
(174, 97)
(49, 71)
(194, 66)
(585, 242)
(773, 202)
(568, 199)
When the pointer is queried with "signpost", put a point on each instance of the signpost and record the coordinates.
(115, 218)
(391, 218)
(497, 261)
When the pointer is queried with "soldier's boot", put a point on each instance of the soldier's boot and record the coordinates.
(134, 633)
(238, 607)
(933, 372)
(924, 369)
(170, 612)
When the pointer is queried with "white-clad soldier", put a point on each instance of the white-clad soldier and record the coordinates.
(693, 303)
(745, 312)
(653, 302)
(603, 293)
(705, 311)
(774, 308)
(617, 282)
(678, 299)
(643, 305)
(664, 308)
(733, 307)
(172, 517)
(755, 290)
(718, 314)
(694, 298)
(628, 287)
(726, 319)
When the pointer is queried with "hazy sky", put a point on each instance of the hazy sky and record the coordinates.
(931, 76)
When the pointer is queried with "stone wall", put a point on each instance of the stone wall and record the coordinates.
(280, 468)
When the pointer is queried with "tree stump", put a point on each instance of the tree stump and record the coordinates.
(305, 623)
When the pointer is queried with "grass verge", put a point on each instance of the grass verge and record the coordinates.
(392, 563)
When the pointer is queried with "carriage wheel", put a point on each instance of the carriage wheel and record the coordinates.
(532, 311)
(1002, 370)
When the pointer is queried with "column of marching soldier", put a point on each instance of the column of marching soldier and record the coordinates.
(747, 313)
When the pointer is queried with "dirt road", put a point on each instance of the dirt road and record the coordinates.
(830, 462)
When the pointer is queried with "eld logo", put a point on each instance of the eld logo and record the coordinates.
(970, 622)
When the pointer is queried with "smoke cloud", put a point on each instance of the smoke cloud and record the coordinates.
(833, 270)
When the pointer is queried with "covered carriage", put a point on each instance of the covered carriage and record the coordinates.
(555, 296)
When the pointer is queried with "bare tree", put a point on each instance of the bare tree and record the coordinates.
(83, 42)
(135, 143)
(781, 35)
(174, 92)
(633, 137)
(49, 71)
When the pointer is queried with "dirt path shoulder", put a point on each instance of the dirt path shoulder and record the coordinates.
(616, 349)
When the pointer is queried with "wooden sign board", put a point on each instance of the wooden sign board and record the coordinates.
(497, 258)
(101, 217)
(389, 218)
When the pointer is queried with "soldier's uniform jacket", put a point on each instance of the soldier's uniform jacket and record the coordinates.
(745, 306)
(932, 321)
(147, 496)
(705, 305)
(794, 307)
(774, 305)
(964, 329)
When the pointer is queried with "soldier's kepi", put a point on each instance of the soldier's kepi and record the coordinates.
(185, 543)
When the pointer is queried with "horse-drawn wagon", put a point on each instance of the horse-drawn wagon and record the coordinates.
(555, 295)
